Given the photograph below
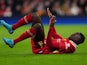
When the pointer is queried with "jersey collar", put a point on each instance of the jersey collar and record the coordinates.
(74, 44)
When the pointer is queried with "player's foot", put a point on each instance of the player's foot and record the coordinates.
(7, 26)
(9, 42)
(52, 21)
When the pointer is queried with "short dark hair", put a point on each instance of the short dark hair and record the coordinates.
(77, 37)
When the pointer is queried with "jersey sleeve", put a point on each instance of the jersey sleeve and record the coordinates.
(55, 34)
(36, 49)
(66, 46)
(46, 49)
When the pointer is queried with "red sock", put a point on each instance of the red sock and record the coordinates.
(22, 21)
(25, 35)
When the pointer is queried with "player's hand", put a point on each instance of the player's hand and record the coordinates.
(57, 52)
(49, 13)
(52, 21)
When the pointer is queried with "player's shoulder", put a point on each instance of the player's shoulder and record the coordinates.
(73, 44)
(65, 39)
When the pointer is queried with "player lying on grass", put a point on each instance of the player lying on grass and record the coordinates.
(57, 44)
(53, 42)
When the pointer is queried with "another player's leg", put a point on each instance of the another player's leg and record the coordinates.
(25, 20)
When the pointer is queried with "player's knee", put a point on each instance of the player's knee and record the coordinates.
(36, 19)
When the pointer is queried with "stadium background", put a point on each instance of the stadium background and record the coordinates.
(67, 11)
(71, 17)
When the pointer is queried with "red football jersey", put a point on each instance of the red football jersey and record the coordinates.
(64, 45)
(39, 47)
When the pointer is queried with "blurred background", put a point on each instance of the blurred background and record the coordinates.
(61, 8)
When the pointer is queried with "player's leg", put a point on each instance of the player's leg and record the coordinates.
(25, 20)
(7, 26)
(27, 34)
(36, 19)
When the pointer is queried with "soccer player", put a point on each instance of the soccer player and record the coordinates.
(60, 44)
(56, 44)
(36, 32)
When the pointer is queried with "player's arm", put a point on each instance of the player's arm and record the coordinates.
(36, 49)
(52, 17)
(49, 13)
(52, 28)
(56, 35)
(52, 22)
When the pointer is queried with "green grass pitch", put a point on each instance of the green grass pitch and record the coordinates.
(21, 54)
